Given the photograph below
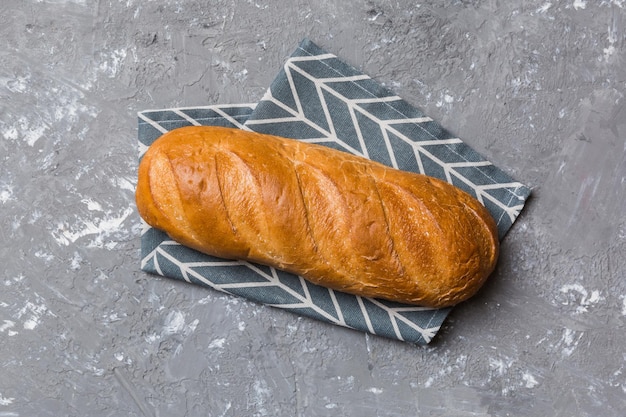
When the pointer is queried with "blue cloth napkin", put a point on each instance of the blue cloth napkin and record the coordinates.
(318, 98)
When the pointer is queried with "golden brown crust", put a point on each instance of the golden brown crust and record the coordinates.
(336, 219)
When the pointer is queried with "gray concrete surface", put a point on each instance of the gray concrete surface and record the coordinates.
(536, 86)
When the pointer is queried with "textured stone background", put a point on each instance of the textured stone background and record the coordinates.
(536, 87)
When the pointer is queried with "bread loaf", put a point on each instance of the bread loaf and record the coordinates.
(336, 219)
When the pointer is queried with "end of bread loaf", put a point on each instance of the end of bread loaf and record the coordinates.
(478, 249)
(445, 238)
(157, 197)
(475, 260)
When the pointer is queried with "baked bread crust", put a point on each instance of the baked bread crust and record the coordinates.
(336, 219)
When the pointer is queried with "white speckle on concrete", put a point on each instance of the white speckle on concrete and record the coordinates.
(375, 390)
(292, 328)
(530, 380)
(544, 8)
(151, 338)
(217, 343)
(32, 313)
(260, 395)
(10, 133)
(241, 75)
(65, 236)
(113, 317)
(580, 4)
(102, 228)
(500, 365)
(124, 183)
(31, 323)
(18, 84)
(6, 400)
(569, 341)
(95, 370)
(445, 100)
(6, 325)
(579, 297)
(6, 193)
(111, 66)
(612, 38)
(75, 261)
(92, 205)
(29, 131)
(608, 51)
(595, 297)
(174, 322)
